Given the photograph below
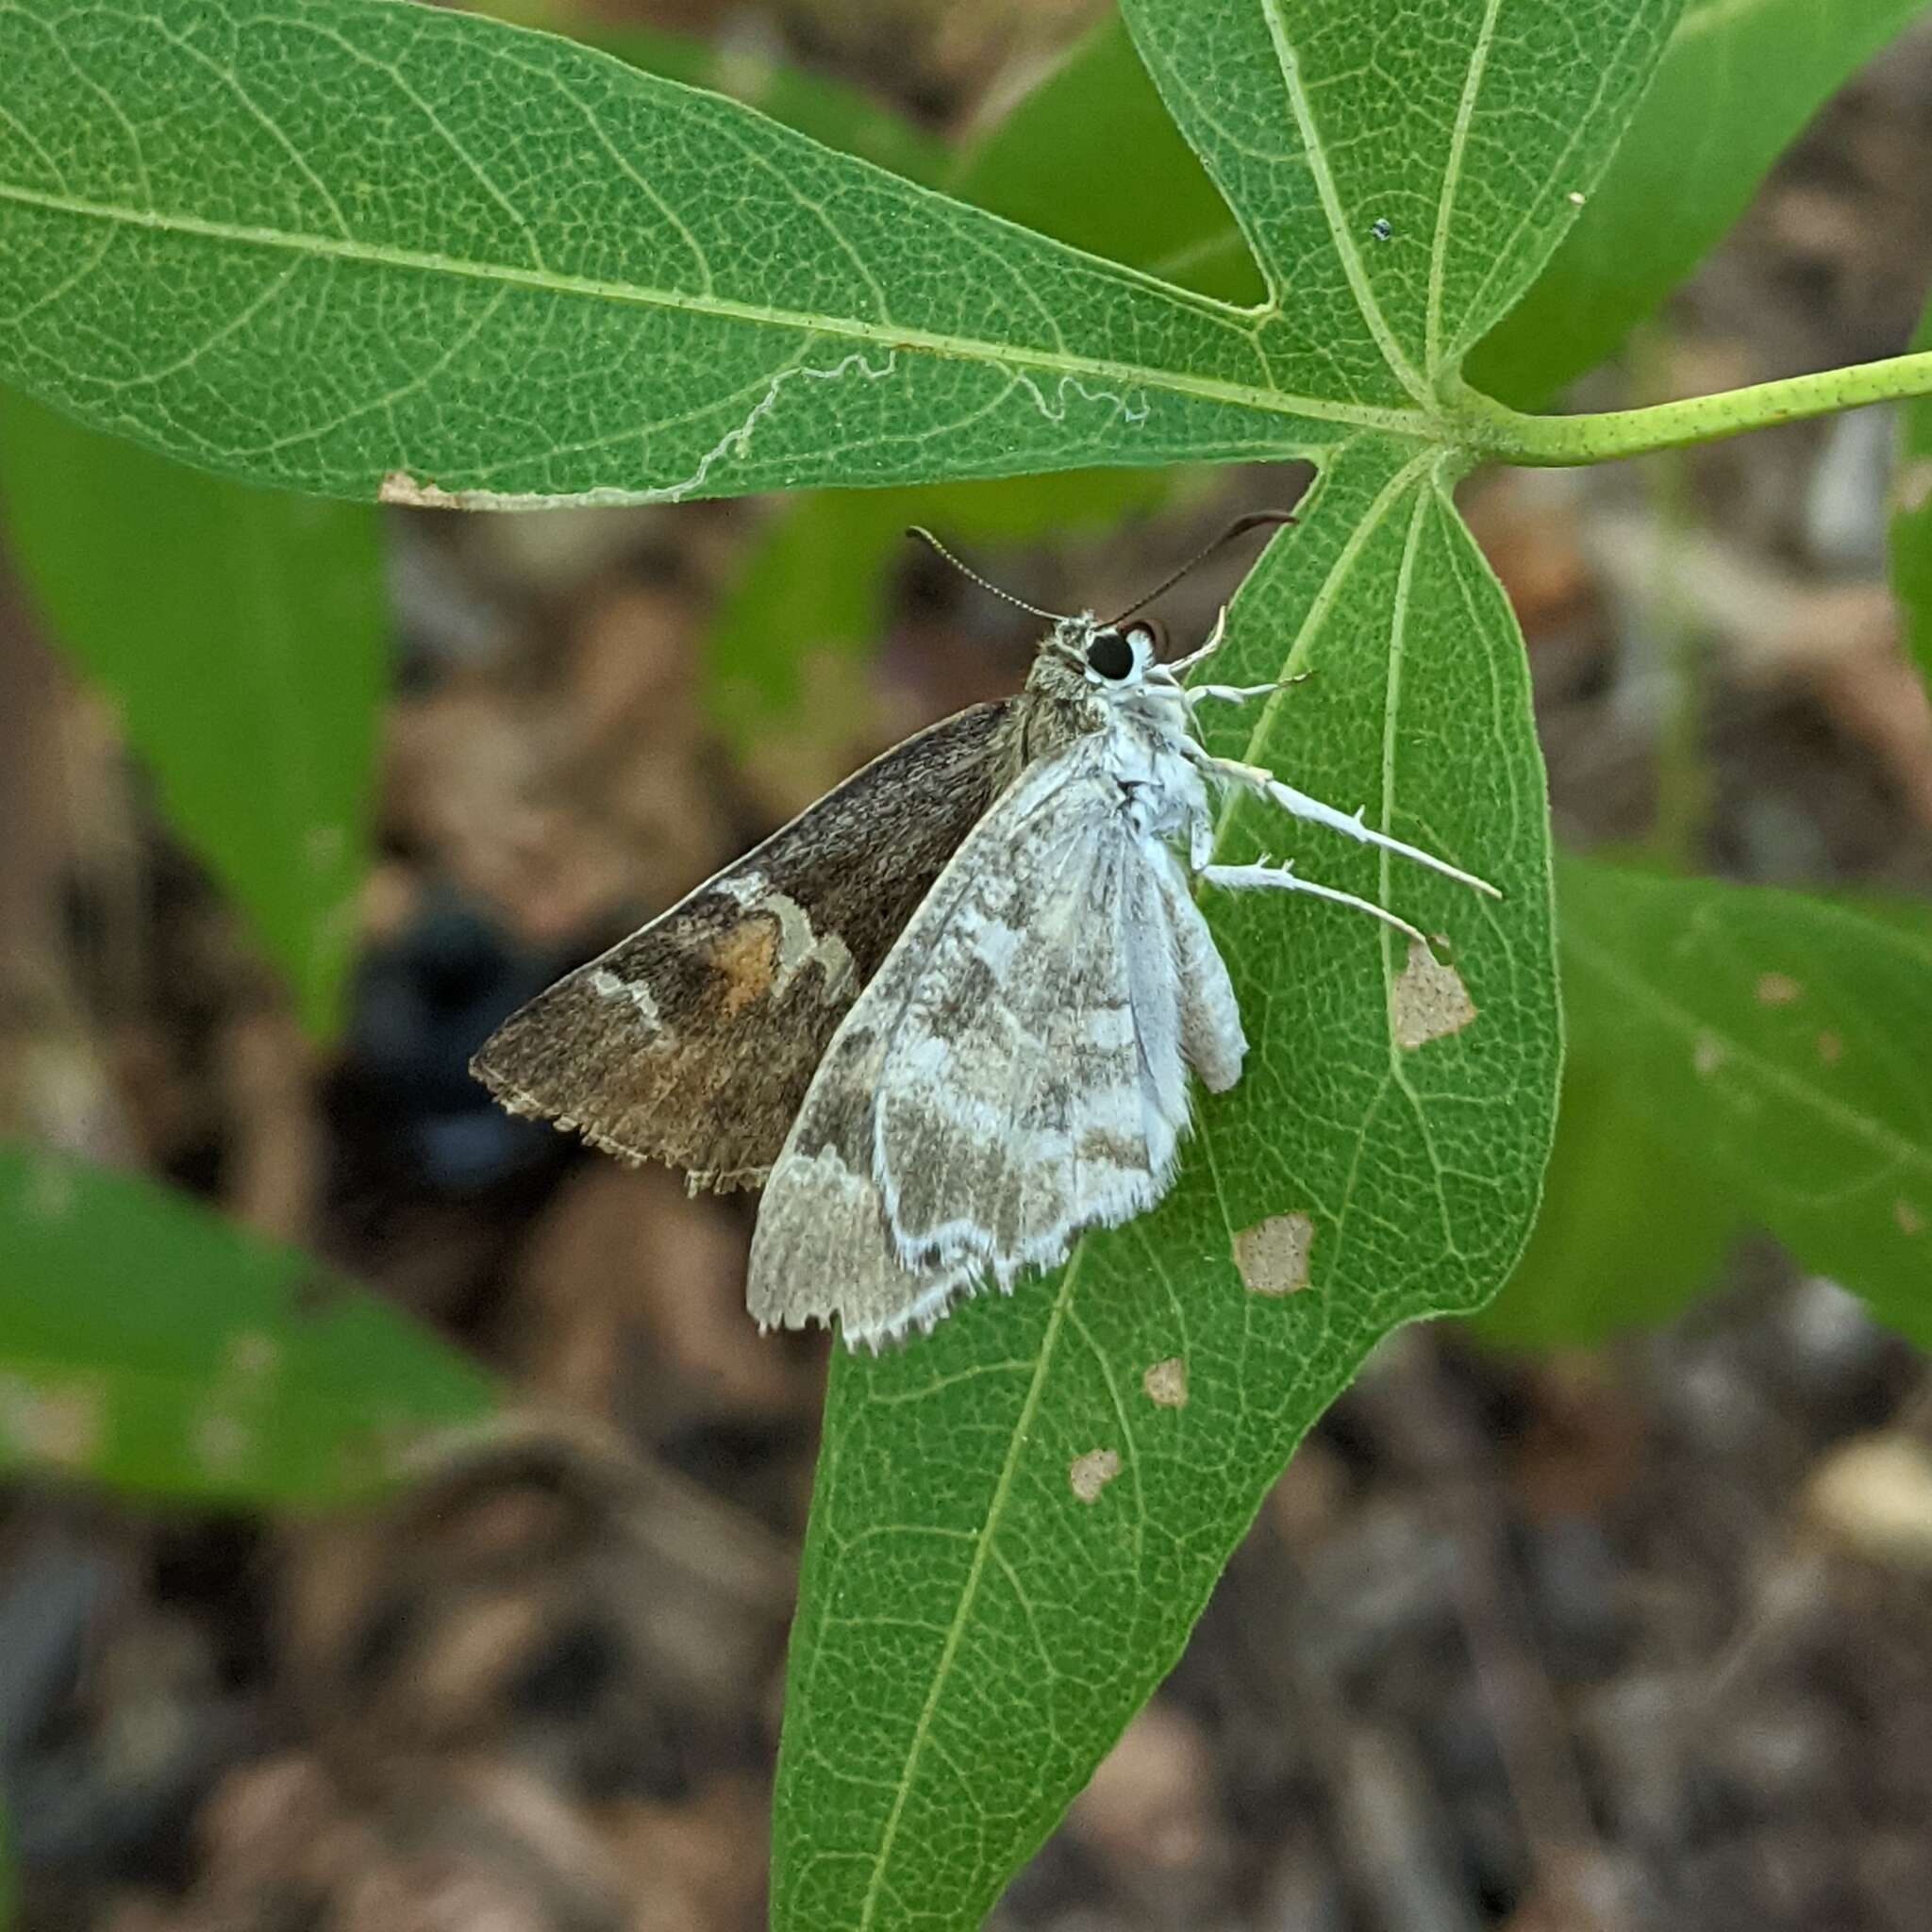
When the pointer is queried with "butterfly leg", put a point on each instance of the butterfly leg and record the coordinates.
(1299, 805)
(1234, 693)
(1265, 875)
(1202, 652)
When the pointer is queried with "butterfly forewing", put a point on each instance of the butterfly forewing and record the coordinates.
(694, 1040)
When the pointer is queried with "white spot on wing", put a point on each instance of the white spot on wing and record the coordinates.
(612, 985)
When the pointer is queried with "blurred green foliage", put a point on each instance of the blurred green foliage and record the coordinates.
(151, 1345)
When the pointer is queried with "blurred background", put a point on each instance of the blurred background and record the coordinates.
(1613, 1610)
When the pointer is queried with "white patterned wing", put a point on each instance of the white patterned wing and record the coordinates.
(1012, 1075)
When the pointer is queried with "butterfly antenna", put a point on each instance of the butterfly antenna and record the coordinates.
(965, 570)
(1240, 527)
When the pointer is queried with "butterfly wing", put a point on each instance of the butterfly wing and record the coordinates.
(1015, 1073)
(694, 1040)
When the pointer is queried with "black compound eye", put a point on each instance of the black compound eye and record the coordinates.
(1110, 654)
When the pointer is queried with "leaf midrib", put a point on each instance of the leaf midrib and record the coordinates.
(1352, 267)
(1416, 424)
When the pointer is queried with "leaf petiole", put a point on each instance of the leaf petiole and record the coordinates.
(1494, 430)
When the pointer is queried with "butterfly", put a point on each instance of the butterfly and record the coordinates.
(947, 1017)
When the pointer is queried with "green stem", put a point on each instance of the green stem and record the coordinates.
(1557, 441)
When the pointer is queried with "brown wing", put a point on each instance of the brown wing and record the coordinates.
(693, 1040)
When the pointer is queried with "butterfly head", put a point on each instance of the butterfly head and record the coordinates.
(1081, 656)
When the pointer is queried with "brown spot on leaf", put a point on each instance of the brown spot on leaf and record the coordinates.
(1910, 1221)
(57, 1425)
(1273, 1256)
(1091, 1473)
(1831, 1049)
(746, 956)
(1429, 999)
(1777, 989)
(1166, 1383)
(1706, 1055)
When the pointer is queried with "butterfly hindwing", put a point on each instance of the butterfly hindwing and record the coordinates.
(694, 1040)
(1014, 1075)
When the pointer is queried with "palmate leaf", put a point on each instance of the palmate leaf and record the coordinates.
(333, 243)
(373, 242)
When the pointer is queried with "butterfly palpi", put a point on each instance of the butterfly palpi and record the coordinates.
(945, 1016)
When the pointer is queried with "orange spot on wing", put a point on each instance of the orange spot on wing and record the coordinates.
(746, 959)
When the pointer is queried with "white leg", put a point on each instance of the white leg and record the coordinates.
(1204, 652)
(1234, 693)
(1299, 805)
(1265, 877)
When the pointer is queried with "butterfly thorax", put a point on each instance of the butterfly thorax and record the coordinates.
(1088, 678)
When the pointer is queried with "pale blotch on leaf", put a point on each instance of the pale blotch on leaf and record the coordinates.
(49, 1194)
(1706, 1055)
(1429, 999)
(1831, 1049)
(1777, 989)
(253, 1355)
(1909, 1218)
(57, 1425)
(1913, 491)
(399, 487)
(1166, 1383)
(1273, 1256)
(1091, 1473)
(221, 1445)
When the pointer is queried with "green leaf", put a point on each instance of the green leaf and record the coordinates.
(377, 242)
(148, 1344)
(383, 242)
(517, 269)
(840, 116)
(970, 1633)
(1581, 1281)
(1738, 82)
(1467, 144)
(242, 635)
(1911, 517)
(1782, 1045)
